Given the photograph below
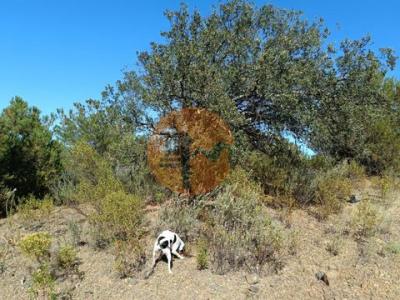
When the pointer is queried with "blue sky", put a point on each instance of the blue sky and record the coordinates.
(54, 53)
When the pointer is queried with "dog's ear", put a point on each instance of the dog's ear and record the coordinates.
(164, 244)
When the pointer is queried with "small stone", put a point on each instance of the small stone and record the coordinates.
(354, 199)
(322, 276)
(252, 279)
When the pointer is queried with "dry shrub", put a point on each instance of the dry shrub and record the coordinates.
(387, 185)
(4, 253)
(180, 217)
(34, 210)
(75, 233)
(7, 200)
(130, 258)
(118, 216)
(292, 242)
(120, 219)
(43, 283)
(332, 188)
(366, 220)
(334, 245)
(239, 232)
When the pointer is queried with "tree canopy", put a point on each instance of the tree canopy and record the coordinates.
(29, 157)
(269, 73)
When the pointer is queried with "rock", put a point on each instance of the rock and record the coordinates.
(252, 279)
(354, 199)
(254, 289)
(322, 276)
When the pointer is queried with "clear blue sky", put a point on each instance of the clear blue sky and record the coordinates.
(54, 53)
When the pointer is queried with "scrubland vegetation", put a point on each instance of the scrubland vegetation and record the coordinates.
(269, 74)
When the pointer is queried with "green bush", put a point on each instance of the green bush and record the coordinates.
(382, 148)
(119, 216)
(93, 174)
(331, 189)
(271, 172)
(66, 257)
(30, 159)
(36, 245)
(202, 254)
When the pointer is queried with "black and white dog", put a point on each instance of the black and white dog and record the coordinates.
(167, 243)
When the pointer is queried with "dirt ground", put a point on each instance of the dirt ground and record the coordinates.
(358, 271)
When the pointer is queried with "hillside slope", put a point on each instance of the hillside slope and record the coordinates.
(356, 269)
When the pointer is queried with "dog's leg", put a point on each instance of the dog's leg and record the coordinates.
(182, 244)
(174, 252)
(175, 248)
(169, 258)
(155, 251)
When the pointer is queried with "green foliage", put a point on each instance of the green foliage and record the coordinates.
(120, 216)
(271, 74)
(393, 247)
(202, 255)
(276, 173)
(117, 216)
(93, 174)
(43, 283)
(36, 245)
(30, 160)
(66, 257)
(109, 126)
(382, 149)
